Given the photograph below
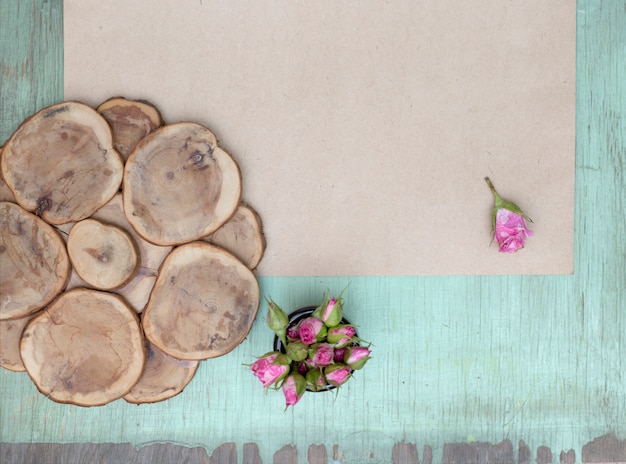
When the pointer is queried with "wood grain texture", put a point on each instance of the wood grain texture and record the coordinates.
(455, 360)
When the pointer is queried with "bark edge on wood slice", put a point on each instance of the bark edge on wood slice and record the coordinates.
(103, 255)
(179, 185)
(86, 348)
(203, 303)
(10, 334)
(34, 265)
(163, 377)
(61, 164)
(130, 121)
(242, 235)
(5, 192)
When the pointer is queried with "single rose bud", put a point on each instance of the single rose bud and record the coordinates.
(508, 223)
(293, 332)
(297, 351)
(333, 312)
(356, 357)
(339, 354)
(337, 374)
(277, 319)
(321, 354)
(302, 368)
(294, 387)
(341, 335)
(315, 380)
(270, 368)
(312, 330)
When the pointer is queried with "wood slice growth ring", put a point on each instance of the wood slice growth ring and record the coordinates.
(61, 164)
(34, 265)
(86, 348)
(203, 303)
(179, 185)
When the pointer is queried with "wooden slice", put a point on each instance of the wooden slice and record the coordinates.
(10, 334)
(34, 266)
(179, 185)
(86, 348)
(130, 121)
(103, 255)
(61, 164)
(137, 290)
(163, 377)
(203, 303)
(242, 235)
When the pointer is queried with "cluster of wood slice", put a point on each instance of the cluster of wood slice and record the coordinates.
(126, 252)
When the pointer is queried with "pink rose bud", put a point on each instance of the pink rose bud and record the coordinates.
(332, 313)
(270, 368)
(294, 387)
(321, 354)
(341, 335)
(315, 380)
(302, 368)
(297, 351)
(277, 320)
(339, 354)
(312, 330)
(357, 356)
(337, 374)
(293, 333)
(508, 223)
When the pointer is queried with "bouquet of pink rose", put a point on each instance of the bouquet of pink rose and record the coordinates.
(314, 352)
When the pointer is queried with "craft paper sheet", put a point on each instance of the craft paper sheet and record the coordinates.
(363, 129)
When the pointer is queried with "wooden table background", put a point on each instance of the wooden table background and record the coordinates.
(472, 368)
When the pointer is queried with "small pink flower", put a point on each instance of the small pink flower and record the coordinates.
(341, 335)
(329, 309)
(511, 231)
(357, 357)
(339, 354)
(293, 333)
(322, 354)
(311, 330)
(267, 371)
(337, 374)
(293, 388)
(508, 223)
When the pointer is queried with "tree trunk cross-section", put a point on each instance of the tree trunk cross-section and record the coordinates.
(179, 186)
(130, 121)
(242, 235)
(10, 334)
(34, 265)
(86, 348)
(105, 256)
(163, 377)
(203, 303)
(61, 164)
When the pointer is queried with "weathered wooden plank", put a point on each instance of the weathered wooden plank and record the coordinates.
(31, 60)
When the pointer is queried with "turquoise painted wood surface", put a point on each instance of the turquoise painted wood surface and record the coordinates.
(538, 358)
